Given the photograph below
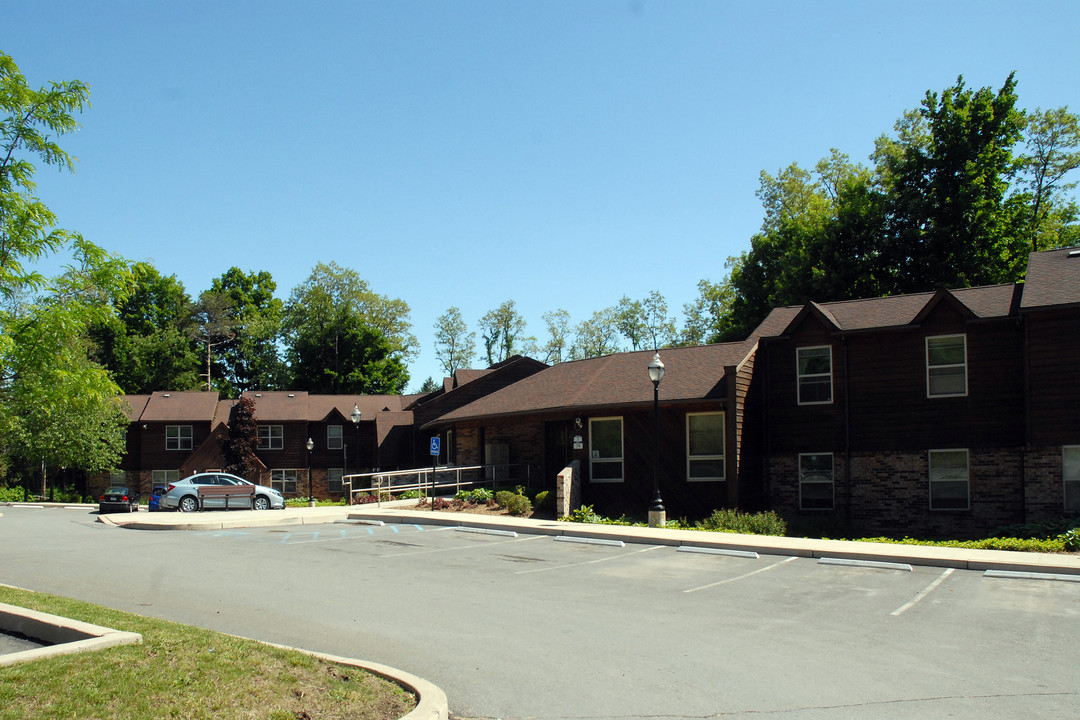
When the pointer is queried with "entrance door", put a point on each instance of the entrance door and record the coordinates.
(558, 450)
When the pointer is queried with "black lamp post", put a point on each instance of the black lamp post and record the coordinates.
(356, 421)
(657, 514)
(310, 490)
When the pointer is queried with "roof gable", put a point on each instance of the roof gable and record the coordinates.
(1053, 278)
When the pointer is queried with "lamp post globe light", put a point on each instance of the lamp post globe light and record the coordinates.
(310, 492)
(657, 514)
(356, 414)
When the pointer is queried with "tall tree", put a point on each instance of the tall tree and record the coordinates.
(597, 336)
(252, 358)
(144, 345)
(1053, 152)
(335, 343)
(949, 224)
(557, 347)
(212, 324)
(503, 333)
(705, 315)
(56, 407)
(455, 346)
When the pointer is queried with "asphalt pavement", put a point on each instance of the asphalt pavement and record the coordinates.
(1063, 564)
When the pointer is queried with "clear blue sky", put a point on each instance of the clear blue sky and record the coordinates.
(559, 153)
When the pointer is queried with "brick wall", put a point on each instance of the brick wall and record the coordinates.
(1044, 494)
(889, 494)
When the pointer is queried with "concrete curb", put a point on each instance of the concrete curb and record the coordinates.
(959, 558)
(66, 635)
(431, 702)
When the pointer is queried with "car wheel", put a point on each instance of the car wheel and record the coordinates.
(260, 503)
(188, 504)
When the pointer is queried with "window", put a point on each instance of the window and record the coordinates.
(815, 375)
(270, 437)
(1070, 472)
(815, 481)
(946, 366)
(704, 446)
(178, 437)
(949, 479)
(333, 437)
(284, 481)
(606, 450)
(333, 479)
(164, 477)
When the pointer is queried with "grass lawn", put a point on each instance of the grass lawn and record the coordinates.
(180, 671)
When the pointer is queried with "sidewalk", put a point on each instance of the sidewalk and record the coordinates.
(405, 512)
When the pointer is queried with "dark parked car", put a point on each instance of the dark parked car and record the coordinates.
(118, 499)
(155, 497)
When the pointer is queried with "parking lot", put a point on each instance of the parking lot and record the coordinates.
(545, 627)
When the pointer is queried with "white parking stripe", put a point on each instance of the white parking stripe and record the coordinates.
(464, 547)
(591, 562)
(926, 591)
(740, 577)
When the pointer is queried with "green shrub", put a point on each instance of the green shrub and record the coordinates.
(734, 521)
(1071, 539)
(542, 499)
(517, 504)
(503, 497)
(11, 494)
(583, 514)
(998, 543)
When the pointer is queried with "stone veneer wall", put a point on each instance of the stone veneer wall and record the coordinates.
(568, 489)
(889, 493)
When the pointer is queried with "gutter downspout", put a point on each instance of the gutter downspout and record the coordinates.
(847, 431)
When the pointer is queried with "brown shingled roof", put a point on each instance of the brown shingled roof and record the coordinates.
(693, 373)
(181, 407)
(1053, 278)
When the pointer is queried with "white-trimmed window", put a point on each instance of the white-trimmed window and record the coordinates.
(704, 446)
(333, 479)
(814, 368)
(284, 481)
(816, 481)
(333, 437)
(178, 437)
(1070, 473)
(163, 478)
(949, 480)
(946, 366)
(271, 437)
(606, 450)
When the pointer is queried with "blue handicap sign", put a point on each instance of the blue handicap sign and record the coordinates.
(434, 446)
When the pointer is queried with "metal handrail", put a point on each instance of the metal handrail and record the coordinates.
(427, 478)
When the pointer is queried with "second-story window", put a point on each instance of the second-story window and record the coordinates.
(815, 375)
(946, 366)
(271, 437)
(178, 437)
(333, 437)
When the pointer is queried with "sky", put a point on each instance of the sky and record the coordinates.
(558, 153)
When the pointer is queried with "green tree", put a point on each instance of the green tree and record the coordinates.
(212, 324)
(502, 331)
(57, 407)
(455, 346)
(335, 343)
(706, 314)
(252, 358)
(144, 345)
(556, 349)
(597, 336)
(949, 222)
(1053, 152)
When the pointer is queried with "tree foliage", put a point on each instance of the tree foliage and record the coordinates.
(455, 346)
(239, 445)
(336, 342)
(502, 331)
(58, 408)
(251, 358)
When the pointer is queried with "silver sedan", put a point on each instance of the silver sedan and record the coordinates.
(213, 490)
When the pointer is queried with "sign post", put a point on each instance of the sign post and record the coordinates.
(434, 462)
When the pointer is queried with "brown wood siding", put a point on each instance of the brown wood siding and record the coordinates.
(152, 452)
(1054, 377)
(886, 379)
